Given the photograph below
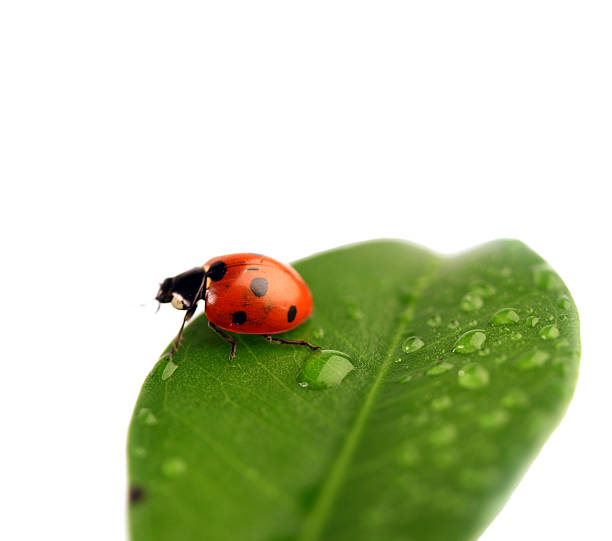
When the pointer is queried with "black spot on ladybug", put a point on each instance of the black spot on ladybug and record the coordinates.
(217, 271)
(136, 494)
(259, 286)
(291, 313)
(238, 318)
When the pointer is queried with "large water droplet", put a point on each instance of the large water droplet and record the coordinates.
(473, 376)
(550, 332)
(471, 302)
(532, 321)
(532, 360)
(439, 368)
(169, 369)
(453, 324)
(470, 341)
(505, 316)
(516, 336)
(412, 343)
(174, 467)
(324, 368)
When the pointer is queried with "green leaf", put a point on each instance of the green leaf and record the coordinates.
(458, 380)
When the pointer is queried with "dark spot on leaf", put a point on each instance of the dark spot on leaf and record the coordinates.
(136, 494)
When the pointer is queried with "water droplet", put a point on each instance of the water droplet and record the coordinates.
(441, 403)
(482, 289)
(505, 316)
(516, 336)
(473, 376)
(532, 360)
(439, 368)
(174, 467)
(470, 341)
(550, 332)
(434, 321)
(564, 302)
(501, 359)
(325, 368)
(412, 343)
(471, 302)
(405, 379)
(409, 455)
(453, 324)
(532, 321)
(484, 352)
(318, 333)
(443, 435)
(478, 479)
(171, 366)
(493, 419)
(146, 416)
(139, 452)
(546, 278)
(354, 312)
(515, 398)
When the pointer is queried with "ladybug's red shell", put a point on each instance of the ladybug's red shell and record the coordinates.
(255, 294)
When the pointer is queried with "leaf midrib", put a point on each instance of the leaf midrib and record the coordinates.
(315, 521)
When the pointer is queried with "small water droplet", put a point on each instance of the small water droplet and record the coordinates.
(550, 332)
(441, 403)
(325, 368)
(532, 321)
(354, 312)
(174, 467)
(473, 323)
(409, 455)
(318, 333)
(516, 336)
(501, 359)
(453, 324)
(532, 360)
(546, 278)
(434, 321)
(493, 419)
(505, 316)
(564, 302)
(484, 352)
(405, 379)
(471, 302)
(473, 376)
(470, 341)
(515, 398)
(139, 452)
(443, 435)
(146, 416)
(171, 366)
(482, 289)
(412, 343)
(439, 368)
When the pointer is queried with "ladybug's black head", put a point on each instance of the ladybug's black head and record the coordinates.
(182, 289)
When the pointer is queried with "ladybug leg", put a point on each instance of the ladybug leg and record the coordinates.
(175, 345)
(270, 338)
(225, 336)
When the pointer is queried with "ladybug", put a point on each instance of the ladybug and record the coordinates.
(243, 293)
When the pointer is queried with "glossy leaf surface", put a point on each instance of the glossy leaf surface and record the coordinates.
(461, 368)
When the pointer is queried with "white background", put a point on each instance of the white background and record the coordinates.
(138, 139)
